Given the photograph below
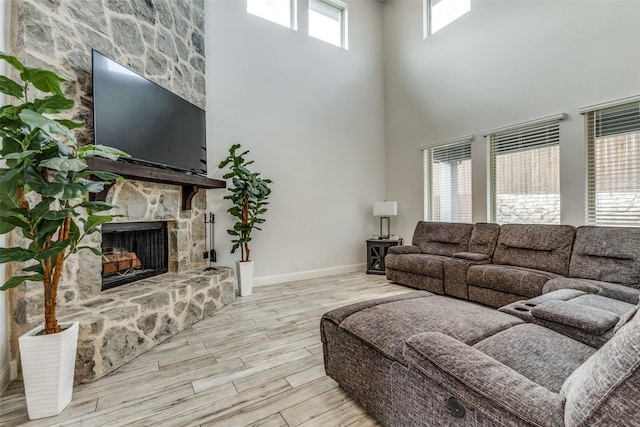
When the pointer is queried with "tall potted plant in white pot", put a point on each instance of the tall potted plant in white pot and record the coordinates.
(248, 193)
(44, 188)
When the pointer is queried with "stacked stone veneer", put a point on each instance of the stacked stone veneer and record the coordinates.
(126, 321)
(164, 41)
(119, 324)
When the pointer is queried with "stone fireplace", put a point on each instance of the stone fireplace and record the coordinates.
(119, 323)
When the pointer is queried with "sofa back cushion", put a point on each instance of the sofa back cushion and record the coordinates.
(604, 390)
(442, 238)
(484, 238)
(608, 254)
(538, 246)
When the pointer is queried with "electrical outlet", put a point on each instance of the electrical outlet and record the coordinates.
(296, 266)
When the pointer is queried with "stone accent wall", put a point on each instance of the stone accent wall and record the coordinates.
(164, 41)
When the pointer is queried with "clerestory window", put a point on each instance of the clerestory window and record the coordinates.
(281, 12)
(440, 13)
(328, 21)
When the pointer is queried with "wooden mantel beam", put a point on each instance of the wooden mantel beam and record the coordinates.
(189, 183)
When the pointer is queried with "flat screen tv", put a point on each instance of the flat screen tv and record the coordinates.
(151, 124)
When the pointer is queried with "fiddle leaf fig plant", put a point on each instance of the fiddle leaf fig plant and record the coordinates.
(45, 181)
(249, 193)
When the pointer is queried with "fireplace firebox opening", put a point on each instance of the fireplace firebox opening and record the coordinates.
(133, 251)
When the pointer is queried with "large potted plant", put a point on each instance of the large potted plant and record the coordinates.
(248, 193)
(44, 188)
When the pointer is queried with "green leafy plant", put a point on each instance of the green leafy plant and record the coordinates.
(249, 194)
(45, 181)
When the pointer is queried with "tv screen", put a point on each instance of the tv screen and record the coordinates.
(145, 120)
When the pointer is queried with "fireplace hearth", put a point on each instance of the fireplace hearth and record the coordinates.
(133, 251)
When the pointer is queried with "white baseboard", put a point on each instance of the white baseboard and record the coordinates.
(8, 373)
(309, 274)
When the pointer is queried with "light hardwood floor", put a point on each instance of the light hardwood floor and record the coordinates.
(256, 362)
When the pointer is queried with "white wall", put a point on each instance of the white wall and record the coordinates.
(4, 309)
(312, 115)
(502, 63)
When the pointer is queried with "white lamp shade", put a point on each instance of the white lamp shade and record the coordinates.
(385, 209)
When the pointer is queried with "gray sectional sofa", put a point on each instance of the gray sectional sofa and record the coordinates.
(497, 265)
(563, 349)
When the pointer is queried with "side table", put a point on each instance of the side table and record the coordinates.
(376, 251)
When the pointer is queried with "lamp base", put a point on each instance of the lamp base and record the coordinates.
(385, 236)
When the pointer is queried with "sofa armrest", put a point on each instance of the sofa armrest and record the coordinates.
(400, 250)
(489, 384)
(471, 256)
(455, 275)
(589, 319)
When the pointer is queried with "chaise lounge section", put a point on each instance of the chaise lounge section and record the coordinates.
(426, 360)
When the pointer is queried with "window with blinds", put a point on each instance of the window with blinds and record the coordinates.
(524, 174)
(447, 182)
(613, 165)
(328, 21)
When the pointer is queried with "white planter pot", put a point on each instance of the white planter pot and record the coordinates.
(245, 277)
(48, 364)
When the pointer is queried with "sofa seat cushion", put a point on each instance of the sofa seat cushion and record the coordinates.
(533, 351)
(606, 289)
(427, 265)
(386, 326)
(513, 280)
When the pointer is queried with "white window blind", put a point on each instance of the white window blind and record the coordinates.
(447, 182)
(524, 174)
(613, 165)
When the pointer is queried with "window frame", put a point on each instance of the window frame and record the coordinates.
(427, 18)
(529, 126)
(593, 118)
(428, 151)
(293, 18)
(343, 9)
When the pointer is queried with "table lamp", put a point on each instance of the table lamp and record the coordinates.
(385, 210)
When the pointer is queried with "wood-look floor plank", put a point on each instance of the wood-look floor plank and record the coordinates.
(274, 404)
(342, 415)
(306, 375)
(274, 420)
(311, 408)
(256, 362)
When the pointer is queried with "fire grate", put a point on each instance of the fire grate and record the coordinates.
(134, 251)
